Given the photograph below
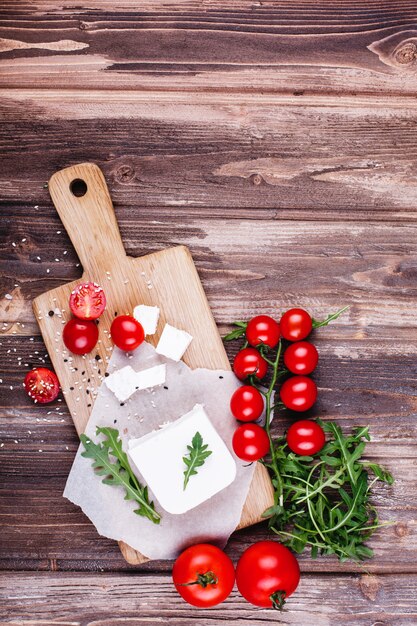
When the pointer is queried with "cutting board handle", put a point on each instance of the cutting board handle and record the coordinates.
(81, 197)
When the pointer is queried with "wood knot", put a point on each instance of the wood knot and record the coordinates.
(406, 53)
(369, 586)
(401, 529)
(257, 179)
(84, 26)
(125, 174)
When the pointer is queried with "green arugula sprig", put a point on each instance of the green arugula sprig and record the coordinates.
(111, 462)
(196, 457)
(326, 499)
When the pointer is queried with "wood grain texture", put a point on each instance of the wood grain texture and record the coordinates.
(312, 47)
(120, 598)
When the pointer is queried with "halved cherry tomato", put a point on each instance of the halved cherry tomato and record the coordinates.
(41, 385)
(87, 301)
(126, 332)
(301, 357)
(295, 324)
(305, 437)
(267, 573)
(250, 442)
(249, 361)
(80, 336)
(262, 329)
(203, 575)
(299, 393)
(247, 404)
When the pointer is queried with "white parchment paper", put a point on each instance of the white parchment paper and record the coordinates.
(147, 410)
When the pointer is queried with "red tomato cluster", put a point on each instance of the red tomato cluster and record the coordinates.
(298, 393)
(266, 574)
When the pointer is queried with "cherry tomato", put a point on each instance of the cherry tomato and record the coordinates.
(305, 437)
(87, 301)
(301, 357)
(247, 404)
(248, 361)
(80, 336)
(127, 333)
(203, 575)
(267, 573)
(250, 442)
(262, 329)
(295, 324)
(41, 385)
(299, 393)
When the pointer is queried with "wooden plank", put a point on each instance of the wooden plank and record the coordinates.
(109, 599)
(315, 47)
(361, 381)
(285, 161)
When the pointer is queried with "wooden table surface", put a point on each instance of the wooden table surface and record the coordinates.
(278, 141)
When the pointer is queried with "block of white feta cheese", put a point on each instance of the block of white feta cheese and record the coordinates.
(158, 456)
(148, 317)
(123, 383)
(151, 377)
(173, 342)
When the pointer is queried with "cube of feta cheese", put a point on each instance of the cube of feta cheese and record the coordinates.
(173, 342)
(122, 383)
(148, 316)
(158, 456)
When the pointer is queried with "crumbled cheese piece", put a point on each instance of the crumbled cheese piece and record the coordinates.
(173, 342)
(151, 377)
(148, 316)
(170, 444)
(124, 382)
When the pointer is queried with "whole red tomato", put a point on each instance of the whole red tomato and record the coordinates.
(126, 332)
(80, 336)
(41, 385)
(262, 329)
(249, 362)
(250, 442)
(296, 324)
(247, 404)
(305, 437)
(87, 301)
(203, 575)
(299, 393)
(301, 357)
(267, 573)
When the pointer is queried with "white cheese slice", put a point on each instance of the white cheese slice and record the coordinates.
(173, 342)
(148, 316)
(158, 456)
(124, 382)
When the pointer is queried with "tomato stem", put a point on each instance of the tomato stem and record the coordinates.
(278, 599)
(279, 487)
(208, 578)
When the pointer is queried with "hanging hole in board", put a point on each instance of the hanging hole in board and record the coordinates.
(78, 187)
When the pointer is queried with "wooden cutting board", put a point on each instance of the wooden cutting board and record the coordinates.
(167, 279)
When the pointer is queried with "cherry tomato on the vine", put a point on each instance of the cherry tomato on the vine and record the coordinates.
(299, 393)
(250, 442)
(41, 385)
(247, 404)
(267, 573)
(87, 301)
(249, 361)
(126, 332)
(80, 336)
(296, 324)
(305, 437)
(203, 575)
(262, 329)
(301, 357)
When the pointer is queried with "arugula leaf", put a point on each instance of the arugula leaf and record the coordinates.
(239, 331)
(197, 455)
(329, 318)
(118, 472)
